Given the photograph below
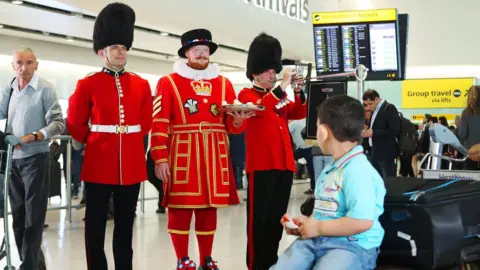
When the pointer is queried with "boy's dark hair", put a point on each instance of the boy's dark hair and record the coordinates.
(344, 115)
(370, 94)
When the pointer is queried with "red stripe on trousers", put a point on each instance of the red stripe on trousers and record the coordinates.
(250, 223)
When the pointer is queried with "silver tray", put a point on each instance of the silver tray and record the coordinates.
(242, 107)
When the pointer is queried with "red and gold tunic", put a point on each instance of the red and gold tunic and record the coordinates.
(267, 137)
(190, 133)
(101, 103)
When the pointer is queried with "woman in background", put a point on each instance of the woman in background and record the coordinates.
(469, 131)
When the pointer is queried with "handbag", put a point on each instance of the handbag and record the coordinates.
(3, 145)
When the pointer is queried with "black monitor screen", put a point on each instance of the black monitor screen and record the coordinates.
(344, 40)
(317, 93)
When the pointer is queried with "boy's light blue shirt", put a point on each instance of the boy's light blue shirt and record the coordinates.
(351, 187)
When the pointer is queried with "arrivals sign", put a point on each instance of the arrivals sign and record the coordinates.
(294, 9)
(435, 93)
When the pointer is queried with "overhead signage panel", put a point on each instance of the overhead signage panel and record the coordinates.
(435, 93)
(362, 16)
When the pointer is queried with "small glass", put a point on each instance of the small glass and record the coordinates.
(299, 69)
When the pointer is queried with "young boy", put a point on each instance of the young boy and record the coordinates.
(343, 233)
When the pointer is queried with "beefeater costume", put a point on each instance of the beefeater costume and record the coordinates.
(110, 112)
(189, 132)
(270, 163)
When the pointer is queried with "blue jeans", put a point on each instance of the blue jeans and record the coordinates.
(326, 253)
(320, 162)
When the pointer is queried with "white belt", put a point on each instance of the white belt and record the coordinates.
(115, 129)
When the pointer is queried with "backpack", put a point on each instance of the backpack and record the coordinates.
(407, 137)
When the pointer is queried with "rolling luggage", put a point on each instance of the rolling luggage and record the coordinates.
(430, 223)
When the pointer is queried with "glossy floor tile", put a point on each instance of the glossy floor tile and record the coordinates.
(64, 246)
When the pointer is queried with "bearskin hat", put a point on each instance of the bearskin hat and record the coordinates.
(114, 25)
(265, 53)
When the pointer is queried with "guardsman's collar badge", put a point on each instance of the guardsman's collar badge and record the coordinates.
(112, 72)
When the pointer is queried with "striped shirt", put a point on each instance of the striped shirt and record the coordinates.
(34, 108)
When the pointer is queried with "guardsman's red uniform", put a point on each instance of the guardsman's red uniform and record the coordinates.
(189, 133)
(270, 163)
(110, 112)
(119, 109)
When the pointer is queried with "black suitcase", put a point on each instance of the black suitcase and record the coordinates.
(430, 224)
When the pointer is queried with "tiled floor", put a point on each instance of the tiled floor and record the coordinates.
(65, 249)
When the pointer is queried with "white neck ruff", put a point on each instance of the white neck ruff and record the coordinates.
(181, 67)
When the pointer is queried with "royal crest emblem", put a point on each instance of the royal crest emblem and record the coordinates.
(191, 106)
(214, 109)
(202, 88)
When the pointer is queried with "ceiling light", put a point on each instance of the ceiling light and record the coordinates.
(17, 2)
(70, 39)
(46, 33)
(163, 34)
(1, 26)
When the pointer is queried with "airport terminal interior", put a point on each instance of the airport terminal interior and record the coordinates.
(413, 66)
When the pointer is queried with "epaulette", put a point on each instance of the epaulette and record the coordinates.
(90, 74)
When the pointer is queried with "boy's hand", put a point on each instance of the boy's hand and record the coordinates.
(309, 229)
(288, 230)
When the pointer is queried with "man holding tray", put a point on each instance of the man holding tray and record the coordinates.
(189, 145)
(270, 162)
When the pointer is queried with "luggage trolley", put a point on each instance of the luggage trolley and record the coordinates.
(6, 169)
(443, 136)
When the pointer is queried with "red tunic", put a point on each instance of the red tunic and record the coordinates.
(268, 140)
(190, 133)
(115, 159)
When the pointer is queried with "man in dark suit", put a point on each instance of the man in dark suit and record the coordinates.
(382, 133)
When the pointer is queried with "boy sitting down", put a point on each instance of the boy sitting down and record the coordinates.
(343, 232)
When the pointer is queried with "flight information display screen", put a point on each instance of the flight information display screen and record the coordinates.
(344, 40)
(327, 46)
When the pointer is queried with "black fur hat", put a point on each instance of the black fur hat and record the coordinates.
(114, 25)
(265, 53)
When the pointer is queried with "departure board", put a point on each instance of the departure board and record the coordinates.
(355, 46)
(344, 40)
(327, 48)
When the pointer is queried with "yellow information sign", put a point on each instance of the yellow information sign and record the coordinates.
(435, 93)
(377, 15)
(419, 117)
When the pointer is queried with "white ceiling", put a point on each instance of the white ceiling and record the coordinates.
(441, 32)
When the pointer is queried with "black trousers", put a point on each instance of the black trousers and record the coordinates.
(267, 202)
(28, 190)
(125, 203)
(385, 166)
(406, 168)
(306, 153)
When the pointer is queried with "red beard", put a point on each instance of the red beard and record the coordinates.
(198, 66)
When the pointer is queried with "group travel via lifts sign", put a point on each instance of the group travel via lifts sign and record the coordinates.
(294, 9)
(436, 93)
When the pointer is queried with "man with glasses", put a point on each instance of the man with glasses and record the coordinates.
(111, 112)
(34, 116)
